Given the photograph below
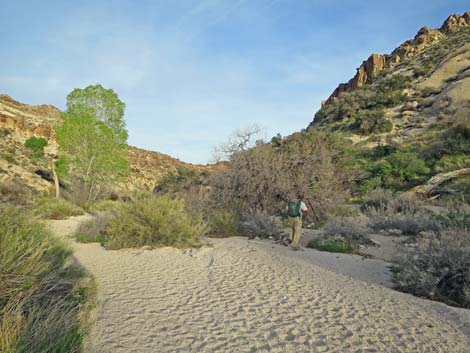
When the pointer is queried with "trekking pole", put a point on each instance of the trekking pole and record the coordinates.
(313, 212)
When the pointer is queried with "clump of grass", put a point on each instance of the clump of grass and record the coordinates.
(223, 224)
(15, 192)
(154, 221)
(43, 294)
(438, 268)
(53, 208)
(331, 245)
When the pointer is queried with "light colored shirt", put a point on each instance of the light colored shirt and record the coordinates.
(303, 208)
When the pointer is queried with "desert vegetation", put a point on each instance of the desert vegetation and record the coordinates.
(147, 220)
(43, 294)
(92, 143)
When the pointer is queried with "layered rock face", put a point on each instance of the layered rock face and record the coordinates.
(19, 121)
(26, 121)
(376, 62)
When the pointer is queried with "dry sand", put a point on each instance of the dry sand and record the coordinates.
(254, 296)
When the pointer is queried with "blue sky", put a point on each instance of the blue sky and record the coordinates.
(191, 72)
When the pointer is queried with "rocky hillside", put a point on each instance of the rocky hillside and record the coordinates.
(426, 37)
(408, 112)
(423, 83)
(19, 122)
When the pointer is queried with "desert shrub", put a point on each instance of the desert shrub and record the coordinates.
(223, 224)
(42, 293)
(456, 217)
(264, 176)
(407, 166)
(376, 199)
(53, 208)
(370, 184)
(329, 110)
(438, 268)
(450, 163)
(352, 230)
(406, 222)
(36, 145)
(255, 223)
(419, 71)
(343, 211)
(182, 179)
(373, 121)
(9, 157)
(461, 123)
(15, 192)
(331, 245)
(153, 221)
(405, 204)
(93, 230)
(104, 206)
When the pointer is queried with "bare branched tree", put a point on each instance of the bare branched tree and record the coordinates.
(264, 176)
(240, 141)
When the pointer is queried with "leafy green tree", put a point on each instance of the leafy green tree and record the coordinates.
(104, 104)
(36, 145)
(92, 142)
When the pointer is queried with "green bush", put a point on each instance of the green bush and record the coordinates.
(331, 245)
(52, 208)
(36, 145)
(223, 224)
(42, 292)
(373, 121)
(407, 166)
(450, 163)
(438, 268)
(153, 221)
(370, 184)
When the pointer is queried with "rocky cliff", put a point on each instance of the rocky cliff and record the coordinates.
(19, 121)
(425, 37)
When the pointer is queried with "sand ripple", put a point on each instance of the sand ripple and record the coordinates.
(242, 296)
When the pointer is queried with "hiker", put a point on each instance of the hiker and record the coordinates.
(295, 210)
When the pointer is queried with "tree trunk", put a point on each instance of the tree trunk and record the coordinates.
(429, 189)
(56, 179)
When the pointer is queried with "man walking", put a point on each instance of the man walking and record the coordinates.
(295, 210)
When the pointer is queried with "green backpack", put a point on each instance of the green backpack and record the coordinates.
(293, 208)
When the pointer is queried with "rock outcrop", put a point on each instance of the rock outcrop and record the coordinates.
(455, 22)
(26, 121)
(376, 62)
(365, 73)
